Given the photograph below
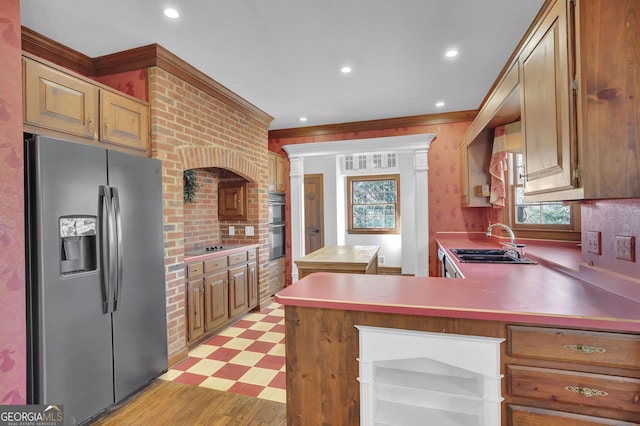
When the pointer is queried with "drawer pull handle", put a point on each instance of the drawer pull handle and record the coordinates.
(588, 392)
(585, 349)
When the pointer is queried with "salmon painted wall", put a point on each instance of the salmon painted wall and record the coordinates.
(133, 83)
(611, 218)
(445, 213)
(13, 370)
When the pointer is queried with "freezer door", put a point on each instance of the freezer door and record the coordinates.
(69, 336)
(139, 318)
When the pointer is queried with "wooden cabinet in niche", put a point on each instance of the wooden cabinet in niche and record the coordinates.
(60, 101)
(232, 200)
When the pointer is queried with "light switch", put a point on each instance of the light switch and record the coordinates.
(248, 231)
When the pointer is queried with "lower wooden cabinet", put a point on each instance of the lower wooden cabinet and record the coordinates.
(219, 290)
(572, 377)
(238, 300)
(252, 284)
(195, 309)
(528, 416)
(216, 295)
(277, 275)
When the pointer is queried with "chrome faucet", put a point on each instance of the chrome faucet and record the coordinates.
(509, 230)
(517, 248)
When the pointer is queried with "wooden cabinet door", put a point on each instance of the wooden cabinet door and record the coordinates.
(475, 159)
(59, 101)
(280, 174)
(238, 297)
(252, 284)
(124, 121)
(271, 182)
(232, 200)
(216, 296)
(195, 308)
(528, 416)
(548, 106)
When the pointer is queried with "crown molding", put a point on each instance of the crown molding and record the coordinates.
(382, 124)
(134, 59)
(50, 50)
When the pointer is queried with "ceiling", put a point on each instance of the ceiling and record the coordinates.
(285, 56)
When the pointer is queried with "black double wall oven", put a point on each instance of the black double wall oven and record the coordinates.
(276, 225)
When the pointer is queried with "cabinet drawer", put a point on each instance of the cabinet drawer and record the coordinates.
(528, 416)
(194, 269)
(234, 259)
(215, 264)
(594, 390)
(589, 347)
(251, 254)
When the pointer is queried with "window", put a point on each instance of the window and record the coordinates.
(539, 215)
(373, 204)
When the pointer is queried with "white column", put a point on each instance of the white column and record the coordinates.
(297, 212)
(422, 212)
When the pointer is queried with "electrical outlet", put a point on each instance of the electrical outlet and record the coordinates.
(594, 240)
(248, 231)
(232, 230)
(626, 248)
(380, 260)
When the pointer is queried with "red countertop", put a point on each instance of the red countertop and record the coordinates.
(542, 294)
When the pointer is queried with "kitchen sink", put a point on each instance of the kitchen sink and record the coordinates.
(491, 256)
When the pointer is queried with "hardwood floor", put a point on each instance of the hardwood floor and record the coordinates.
(173, 403)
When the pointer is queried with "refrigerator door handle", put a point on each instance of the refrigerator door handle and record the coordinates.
(119, 248)
(106, 248)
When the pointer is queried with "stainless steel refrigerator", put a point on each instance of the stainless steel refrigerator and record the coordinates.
(96, 303)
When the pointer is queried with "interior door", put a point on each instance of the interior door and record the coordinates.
(313, 213)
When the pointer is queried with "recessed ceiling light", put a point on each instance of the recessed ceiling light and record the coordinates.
(451, 53)
(303, 119)
(171, 13)
(345, 70)
(440, 104)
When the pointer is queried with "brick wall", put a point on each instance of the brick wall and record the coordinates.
(201, 225)
(191, 129)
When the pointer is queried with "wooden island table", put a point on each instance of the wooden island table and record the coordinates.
(345, 259)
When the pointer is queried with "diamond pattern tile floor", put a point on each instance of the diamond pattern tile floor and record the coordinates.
(246, 358)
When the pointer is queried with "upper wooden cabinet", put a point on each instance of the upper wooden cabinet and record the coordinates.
(547, 102)
(124, 121)
(277, 178)
(474, 171)
(60, 101)
(576, 90)
(580, 109)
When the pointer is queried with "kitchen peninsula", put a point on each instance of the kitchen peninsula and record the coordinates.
(563, 338)
(348, 259)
